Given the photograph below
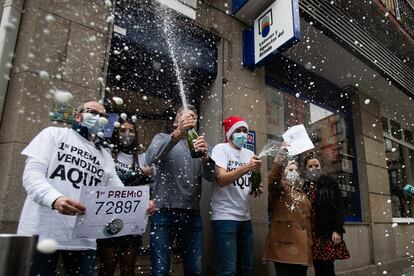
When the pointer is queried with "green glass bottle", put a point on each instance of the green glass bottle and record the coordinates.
(191, 138)
(255, 180)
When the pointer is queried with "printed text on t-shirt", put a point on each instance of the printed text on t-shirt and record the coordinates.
(85, 167)
(242, 181)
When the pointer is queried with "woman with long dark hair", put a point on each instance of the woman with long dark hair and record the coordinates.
(327, 217)
(124, 150)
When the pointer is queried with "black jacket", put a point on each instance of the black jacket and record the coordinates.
(328, 207)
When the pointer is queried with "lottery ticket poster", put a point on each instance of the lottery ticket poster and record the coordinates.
(112, 212)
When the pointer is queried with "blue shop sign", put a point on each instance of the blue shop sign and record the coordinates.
(277, 28)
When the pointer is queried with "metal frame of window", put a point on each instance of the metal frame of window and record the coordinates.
(402, 143)
(403, 138)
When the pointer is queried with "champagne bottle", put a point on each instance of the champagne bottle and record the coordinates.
(255, 180)
(191, 138)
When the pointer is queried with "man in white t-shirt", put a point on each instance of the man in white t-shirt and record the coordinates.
(59, 162)
(230, 201)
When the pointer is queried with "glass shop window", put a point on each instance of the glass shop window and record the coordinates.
(331, 133)
(400, 164)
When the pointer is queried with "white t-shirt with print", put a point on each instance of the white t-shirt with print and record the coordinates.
(123, 163)
(231, 202)
(72, 162)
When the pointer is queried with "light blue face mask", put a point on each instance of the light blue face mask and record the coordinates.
(92, 124)
(239, 139)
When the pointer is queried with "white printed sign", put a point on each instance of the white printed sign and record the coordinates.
(298, 140)
(112, 212)
(274, 27)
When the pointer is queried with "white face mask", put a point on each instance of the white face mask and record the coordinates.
(92, 123)
(293, 177)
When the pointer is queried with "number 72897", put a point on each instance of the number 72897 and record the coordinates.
(118, 207)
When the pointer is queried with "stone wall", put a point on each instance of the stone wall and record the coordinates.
(67, 39)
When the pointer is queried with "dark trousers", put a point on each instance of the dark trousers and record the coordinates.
(324, 268)
(283, 269)
(79, 263)
(235, 247)
(187, 226)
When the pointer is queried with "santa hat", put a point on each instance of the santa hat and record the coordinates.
(232, 123)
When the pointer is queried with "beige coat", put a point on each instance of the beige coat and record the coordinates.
(289, 239)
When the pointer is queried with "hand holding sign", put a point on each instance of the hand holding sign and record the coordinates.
(68, 206)
(298, 140)
(112, 212)
(151, 208)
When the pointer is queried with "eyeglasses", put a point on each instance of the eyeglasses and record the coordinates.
(94, 112)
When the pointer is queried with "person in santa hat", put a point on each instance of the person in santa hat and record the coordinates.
(230, 214)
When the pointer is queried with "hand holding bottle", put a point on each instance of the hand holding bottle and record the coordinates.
(255, 178)
(201, 145)
(186, 121)
(254, 165)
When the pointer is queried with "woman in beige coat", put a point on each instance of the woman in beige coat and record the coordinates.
(289, 240)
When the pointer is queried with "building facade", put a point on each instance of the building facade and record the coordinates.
(349, 80)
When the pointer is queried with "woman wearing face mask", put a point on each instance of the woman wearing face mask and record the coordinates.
(230, 213)
(289, 240)
(125, 154)
(327, 218)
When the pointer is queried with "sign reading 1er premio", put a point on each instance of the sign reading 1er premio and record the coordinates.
(275, 27)
(112, 212)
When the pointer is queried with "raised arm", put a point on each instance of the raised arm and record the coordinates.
(160, 146)
(162, 143)
(276, 173)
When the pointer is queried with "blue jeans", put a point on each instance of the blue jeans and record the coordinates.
(186, 226)
(235, 246)
(80, 262)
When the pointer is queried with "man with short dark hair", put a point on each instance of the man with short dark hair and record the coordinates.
(177, 192)
(59, 162)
